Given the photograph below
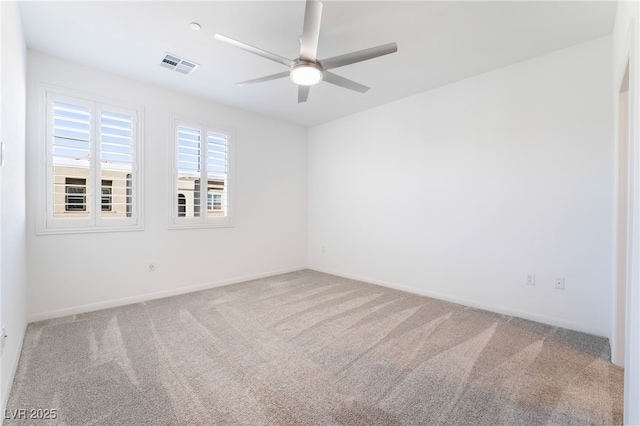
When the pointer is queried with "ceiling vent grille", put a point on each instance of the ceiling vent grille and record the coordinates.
(177, 64)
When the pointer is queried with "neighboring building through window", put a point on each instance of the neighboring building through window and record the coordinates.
(202, 154)
(92, 151)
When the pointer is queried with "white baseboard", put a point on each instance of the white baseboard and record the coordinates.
(40, 316)
(556, 322)
(12, 373)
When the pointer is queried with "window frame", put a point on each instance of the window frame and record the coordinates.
(46, 223)
(176, 221)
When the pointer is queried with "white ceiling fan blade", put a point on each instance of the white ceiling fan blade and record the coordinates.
(303, 93)
(254, 50)
(267, 78)
(359, 56)
(332, 78)
(310, 30)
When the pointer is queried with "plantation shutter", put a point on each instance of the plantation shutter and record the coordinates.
(201, 176)
(217, 182)
(189, 170)
(117, 164)
(91, 164)
(71, 154)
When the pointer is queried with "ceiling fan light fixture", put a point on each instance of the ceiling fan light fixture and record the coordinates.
(306, 74)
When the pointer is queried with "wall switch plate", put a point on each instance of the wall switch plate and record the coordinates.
(558, 283)
(531, 279)
(3, 338)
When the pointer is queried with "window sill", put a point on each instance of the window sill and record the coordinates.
(174, 226)
(89, 230)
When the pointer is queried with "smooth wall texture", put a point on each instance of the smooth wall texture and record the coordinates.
(74, 273)
(462, 191)
(13, 240)
(626, 46)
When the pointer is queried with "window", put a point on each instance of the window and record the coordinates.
(92, 176)
(215, 191)
(106, 195)
(182, 205)
(202, 176)
(214, 201)
(75, 198)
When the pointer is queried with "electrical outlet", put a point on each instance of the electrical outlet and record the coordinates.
(558, 283)
(151, 267)
(531, 279)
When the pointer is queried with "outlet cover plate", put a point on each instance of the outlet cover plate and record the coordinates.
(531, 279)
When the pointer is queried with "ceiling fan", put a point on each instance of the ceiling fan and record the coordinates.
(307, 70)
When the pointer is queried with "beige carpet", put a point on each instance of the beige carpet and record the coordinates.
(310, 348)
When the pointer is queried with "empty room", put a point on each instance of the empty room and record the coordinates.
(415, 212)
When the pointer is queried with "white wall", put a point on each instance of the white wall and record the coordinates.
(13, 238)
(73, 273)
(461, 191)
(626, 45)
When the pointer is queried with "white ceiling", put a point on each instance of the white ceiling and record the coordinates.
(438, 43)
